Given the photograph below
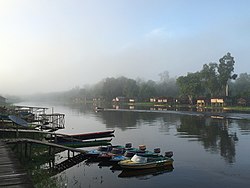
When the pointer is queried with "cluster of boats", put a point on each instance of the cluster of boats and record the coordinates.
(124, 157)
(128, 157)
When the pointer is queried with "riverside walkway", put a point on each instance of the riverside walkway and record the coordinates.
(11, 172)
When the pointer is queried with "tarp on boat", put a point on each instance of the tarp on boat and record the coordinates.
(139, 159)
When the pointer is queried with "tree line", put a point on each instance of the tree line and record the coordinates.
(213, 80)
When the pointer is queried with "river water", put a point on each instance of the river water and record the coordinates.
(208, 152)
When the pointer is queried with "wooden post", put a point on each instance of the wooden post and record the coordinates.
(30, 150)
(17, 133)
(17, 146)
(21, 149)
(26, 152)
(55, 138)
(49, 150)
(53, 162)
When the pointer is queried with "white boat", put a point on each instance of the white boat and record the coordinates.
(144, 162)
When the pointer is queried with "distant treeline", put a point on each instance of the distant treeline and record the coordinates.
(214, 80)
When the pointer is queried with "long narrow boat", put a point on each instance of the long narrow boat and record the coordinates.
(93, 135)
(89, 143)
(142, 162)
(84, 136)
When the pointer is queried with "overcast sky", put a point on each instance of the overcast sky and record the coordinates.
(55, 45)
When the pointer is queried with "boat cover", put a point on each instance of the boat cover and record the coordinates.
(139, 159)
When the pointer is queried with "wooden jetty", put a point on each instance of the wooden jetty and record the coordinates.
(11, 172)
(28, 143)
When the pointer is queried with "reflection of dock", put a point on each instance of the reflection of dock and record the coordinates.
(11, 173)
(69, 163)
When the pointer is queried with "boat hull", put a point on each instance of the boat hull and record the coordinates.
(128, 164)
(76, 144)
(93, 135)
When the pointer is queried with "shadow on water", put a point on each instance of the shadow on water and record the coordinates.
(145, 173)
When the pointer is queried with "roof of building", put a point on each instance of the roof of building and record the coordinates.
(1, 97)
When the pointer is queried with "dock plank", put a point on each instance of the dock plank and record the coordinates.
(12, 175)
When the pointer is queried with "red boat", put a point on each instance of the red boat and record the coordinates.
(86, 136)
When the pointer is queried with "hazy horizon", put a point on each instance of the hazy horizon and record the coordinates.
(49, 46)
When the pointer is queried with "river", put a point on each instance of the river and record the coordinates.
(208, 152)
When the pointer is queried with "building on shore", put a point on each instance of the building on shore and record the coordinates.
(2, 100)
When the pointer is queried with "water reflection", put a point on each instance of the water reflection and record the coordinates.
(204, 138)
(127, 120)
(130, 173)
(212, 133)
(244, 126)
(119, 119)
(145, 173)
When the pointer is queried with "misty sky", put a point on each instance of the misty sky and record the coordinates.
(55, 45)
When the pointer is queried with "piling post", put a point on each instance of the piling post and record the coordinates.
(55, 138)
(21, 144)
(26, 148)
(30, 150)
(17, 133)
(17, 147)
(49, 150)
(68, 154)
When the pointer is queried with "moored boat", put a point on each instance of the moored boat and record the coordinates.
(88, 143)
(98, 109)
(93, 135)
(143, 162)
(116, 151)
(84, 136)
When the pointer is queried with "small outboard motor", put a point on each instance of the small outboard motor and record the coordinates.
(157, 150)
(169, 154)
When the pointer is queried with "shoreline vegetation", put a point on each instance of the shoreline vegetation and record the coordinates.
(226, 108)
(153, 104)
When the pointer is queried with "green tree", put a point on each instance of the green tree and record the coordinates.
(242, 85)
(210, 79)
(111, 88)
(191, 85)
(147, 90)
(130, 88)
(167, 86)
(225, 70)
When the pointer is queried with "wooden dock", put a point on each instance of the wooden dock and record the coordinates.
(11, 172)
(45, 143)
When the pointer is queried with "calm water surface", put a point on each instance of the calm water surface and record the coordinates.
(207, 152)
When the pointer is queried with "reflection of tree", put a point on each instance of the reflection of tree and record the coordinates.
(213, 134)
(119, 119)
(244, 125)
(79, 109)
(126, 120)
